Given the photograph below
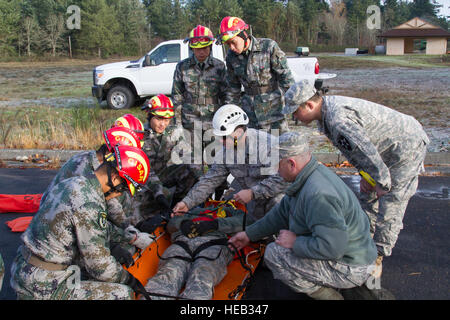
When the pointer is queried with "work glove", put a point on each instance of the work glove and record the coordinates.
(137, 286)
(192, 229)
(139, 239)
(150, 224)
(121, 255)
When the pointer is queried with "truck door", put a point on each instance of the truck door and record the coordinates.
(158, 76)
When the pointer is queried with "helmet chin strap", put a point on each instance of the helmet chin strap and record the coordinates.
(119, 188)
(237, 139)
(245, 37)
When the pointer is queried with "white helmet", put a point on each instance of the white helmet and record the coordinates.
(227, 118)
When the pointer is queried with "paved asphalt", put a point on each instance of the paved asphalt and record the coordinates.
(417, 269)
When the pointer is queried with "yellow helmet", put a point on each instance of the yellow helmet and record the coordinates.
(200, 37)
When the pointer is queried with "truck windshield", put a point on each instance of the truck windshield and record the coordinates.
(168, 53)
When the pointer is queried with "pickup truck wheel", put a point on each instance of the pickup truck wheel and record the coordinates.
(120, 97)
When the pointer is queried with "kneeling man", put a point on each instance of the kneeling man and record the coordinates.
(323, 238)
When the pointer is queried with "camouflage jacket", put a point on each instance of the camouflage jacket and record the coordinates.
(199, 92)
(263, 65)
(81, 164)
(371, 136)
(71, 227)
(84, 164)
(255, 168)
(158, 148)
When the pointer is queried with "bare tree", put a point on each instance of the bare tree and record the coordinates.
(31, 30)
(336, 22)
(54, 29)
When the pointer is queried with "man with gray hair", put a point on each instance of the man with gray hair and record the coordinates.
(324, 239)
(387, 147)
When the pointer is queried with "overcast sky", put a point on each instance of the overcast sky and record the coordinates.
(445, 10)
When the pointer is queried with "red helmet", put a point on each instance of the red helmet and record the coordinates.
(120, 136)
(131, 122)
(160, 106)
(231, 27)
(132, 164)
(200, 37)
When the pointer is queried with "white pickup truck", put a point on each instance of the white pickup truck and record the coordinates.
(128, 83)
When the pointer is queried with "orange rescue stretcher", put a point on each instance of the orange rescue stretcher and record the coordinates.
(233, 285)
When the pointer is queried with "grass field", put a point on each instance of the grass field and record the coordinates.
(49, 104)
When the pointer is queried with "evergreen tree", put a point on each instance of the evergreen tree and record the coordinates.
(10, 24)
(100, 32)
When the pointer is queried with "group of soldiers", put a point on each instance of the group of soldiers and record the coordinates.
(103, 204)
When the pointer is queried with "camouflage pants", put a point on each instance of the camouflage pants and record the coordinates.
(308, 275)
(386, 214)
(33, 283)
(2, 271)
(199, 276)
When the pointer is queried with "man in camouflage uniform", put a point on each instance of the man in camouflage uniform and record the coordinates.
(199, 82)
(324, 237)
(85, 163)
(387, 145)
(248, 157)
(168, 182)
(198, 256)
(199, 89)
(260, 66)
(71, 231)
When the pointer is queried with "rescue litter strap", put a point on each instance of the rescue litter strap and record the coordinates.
(194, 255)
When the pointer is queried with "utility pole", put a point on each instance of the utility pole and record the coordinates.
(70, 48)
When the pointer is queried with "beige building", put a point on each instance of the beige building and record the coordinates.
(400, 40)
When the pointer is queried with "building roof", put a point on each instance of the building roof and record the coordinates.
(421, 33)
(416, 27)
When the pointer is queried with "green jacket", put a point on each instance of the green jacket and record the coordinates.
(326, 217)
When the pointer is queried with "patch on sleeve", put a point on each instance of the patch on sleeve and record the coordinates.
(102, 219)
(344, 143)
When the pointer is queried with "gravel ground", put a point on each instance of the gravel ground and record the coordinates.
(422, 93)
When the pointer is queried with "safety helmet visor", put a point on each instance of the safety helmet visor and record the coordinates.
(166, 114)
(228, 35)
(200, 42)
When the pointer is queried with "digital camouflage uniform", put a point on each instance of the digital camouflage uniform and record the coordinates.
(265, 75)
(70, 229)
(333, 246)
(164, 174)
(389, 146)
(253, 168)
(84, 164)
(202, 275)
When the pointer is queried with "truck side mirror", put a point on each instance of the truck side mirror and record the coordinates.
(147, 60)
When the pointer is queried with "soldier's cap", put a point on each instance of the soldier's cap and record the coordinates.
(298, 93)
(291, 144)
